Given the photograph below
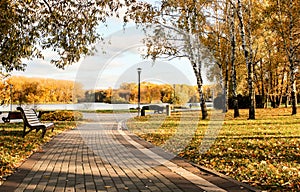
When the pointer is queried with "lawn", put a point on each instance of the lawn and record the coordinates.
(264, 153)
(14, 149)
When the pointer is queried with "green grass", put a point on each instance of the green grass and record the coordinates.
(264, 153)
(14, 149)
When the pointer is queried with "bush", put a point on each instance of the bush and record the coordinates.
(219, 102)
(244, 101)
(62, 116)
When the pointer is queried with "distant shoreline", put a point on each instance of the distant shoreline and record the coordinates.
(85, 106)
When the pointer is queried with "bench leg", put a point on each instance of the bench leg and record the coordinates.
(43, 132)
(5, 120)
(24, 131)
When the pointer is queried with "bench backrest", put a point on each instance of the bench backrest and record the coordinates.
(29, 116)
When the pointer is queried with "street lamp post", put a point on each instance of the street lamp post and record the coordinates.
(139, 70)
(11, 86)
(174, 86)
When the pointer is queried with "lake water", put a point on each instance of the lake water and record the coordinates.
(84, 106)
(76, 106)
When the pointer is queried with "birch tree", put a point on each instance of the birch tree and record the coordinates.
(232, 34)
(248, 54)
(283, 18)
(222, 42)
(170, 43)
(178, 26)
(218, 43)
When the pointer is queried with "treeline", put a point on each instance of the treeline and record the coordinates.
(23, 90)
(150, 93)
(256, 47)
(39, 90)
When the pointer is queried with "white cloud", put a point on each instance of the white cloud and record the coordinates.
(117, 65)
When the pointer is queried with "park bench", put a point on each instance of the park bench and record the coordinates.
(12, 115)
(31, 121)
(155, 108)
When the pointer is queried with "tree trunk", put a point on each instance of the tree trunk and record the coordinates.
(290, 49)
(197, 72)
(263, 93)
(249, 63)
(232, 59)
(195, 60)
(225, 109)
(292, 63)
(222, 83)
(293, 91)
(267, 101)
(282, 88)
(199, 84)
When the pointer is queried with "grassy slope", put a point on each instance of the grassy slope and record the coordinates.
(264, 152)
(14, 149)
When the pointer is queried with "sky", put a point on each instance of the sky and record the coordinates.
(118, 64)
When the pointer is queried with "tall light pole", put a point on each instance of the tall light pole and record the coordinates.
(139, 70)
(11, 86)
(174, 90)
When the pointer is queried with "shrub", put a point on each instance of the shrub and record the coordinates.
(62, 116)
(219, 102)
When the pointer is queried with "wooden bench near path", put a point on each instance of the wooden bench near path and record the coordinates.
(32, 121)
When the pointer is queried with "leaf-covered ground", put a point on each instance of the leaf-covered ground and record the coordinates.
(14, 149)
(264, 153)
